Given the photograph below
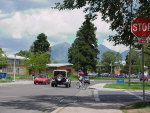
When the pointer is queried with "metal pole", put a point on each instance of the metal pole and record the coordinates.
(143, 72)
(139, 69)
(129, 66)
(14, 67)
(111, 69)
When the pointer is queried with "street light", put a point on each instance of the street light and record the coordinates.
(14, 67)
(111, 68)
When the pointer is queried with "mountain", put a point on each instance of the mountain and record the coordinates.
(60, 52)
(124, 54)
(103, 49)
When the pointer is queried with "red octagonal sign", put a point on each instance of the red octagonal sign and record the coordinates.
(140, 27)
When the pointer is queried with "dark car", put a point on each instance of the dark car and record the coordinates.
(86, 80)
(42, 79)
(61, 77)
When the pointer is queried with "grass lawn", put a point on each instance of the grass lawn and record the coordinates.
(133, 86)
(3, 80)
(103, 78)
(139, 107)
(19, 77)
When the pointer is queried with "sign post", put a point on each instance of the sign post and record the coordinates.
(140, 27)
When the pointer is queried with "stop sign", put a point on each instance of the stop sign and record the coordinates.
(140, 27)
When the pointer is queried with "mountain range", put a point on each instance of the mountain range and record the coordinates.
(59, 52)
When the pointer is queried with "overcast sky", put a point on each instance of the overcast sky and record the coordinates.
(22, 20)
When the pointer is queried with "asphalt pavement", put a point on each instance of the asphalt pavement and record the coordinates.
(25, 97)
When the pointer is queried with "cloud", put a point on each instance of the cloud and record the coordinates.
(52, 22)
(9, 6)
(25, 21)
(119, 48)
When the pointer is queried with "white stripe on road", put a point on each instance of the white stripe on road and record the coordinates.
(139, 97)
(96, 95)
(8, 96)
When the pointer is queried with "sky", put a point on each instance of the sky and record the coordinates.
(22, 20)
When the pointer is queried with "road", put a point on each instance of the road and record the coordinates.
(30, 98)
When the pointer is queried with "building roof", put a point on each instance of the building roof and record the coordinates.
(15, 57)
(59, 65)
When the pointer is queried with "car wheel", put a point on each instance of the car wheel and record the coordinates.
(67, 85)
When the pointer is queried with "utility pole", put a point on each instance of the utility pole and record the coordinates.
(143, 72)
(14, 67)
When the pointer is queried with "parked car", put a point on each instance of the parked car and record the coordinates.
(105, 74)
(86, 80)
(145, 78)
(61, 77)
(42, 79)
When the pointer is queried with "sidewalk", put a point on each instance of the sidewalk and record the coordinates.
(85, 109)
(101, 87)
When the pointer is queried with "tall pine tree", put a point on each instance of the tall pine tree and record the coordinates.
(83, 52)
(41, 45)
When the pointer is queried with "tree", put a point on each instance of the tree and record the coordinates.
(37, 61)
(120, 13)
(41, 44)
(134, 57)
(111, 58)
(3, 58)
(24, 53)
(147, 55)
(55, 62)
(83, 52)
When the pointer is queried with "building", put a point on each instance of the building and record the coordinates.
(61, 66)
(14, 62)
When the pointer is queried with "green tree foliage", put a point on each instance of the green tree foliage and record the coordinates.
(120, 13)
(41, 44)
(37, 61)
(125, 69)
(134, 57)
(147, 55)
(24, 53)
(83, 52)
(111, 58)
(3, 58)
(55, 62)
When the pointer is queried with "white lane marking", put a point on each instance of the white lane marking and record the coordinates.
(147, 93)
(8, 96)
(139, 97)
(96, 95)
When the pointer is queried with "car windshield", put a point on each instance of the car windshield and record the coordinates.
(42, 76)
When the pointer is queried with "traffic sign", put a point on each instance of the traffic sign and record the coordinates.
(143, 41)
(140, 27)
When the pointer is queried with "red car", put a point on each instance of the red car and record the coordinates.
(145, 78)
(42, 79)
